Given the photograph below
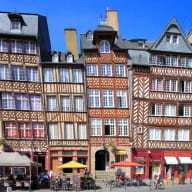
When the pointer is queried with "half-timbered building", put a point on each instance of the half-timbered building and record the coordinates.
(161, 103)
(23, 39)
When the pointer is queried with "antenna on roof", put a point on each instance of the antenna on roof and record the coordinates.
(186, 25)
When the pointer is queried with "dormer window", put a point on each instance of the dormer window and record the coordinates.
(172, 38)
(69, 57)
(104, 47)
(15, 25)
(55, 57)
(141, 44)
(89, 35)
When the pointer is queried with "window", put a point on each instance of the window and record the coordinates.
(53, 131)
(185, 86)
(121, 98)
(65, 103)
(21, 102)
(96, 127)
(15, 24)
(92, 69)
(119, 70)
(108, 98)
(167, 61)
(32, 74)
(18, 73)
(94, 98)
(170, 110)
(77, 76)
(64, 75)
(8, 101)
(175, 39)
(157, 84)
(16, 46)
(30, 47)
(104, 47)
(183, 134)
(78, 104)
(38, 130)
(69, 58)
(168, 38)
(4, 72)
(35, 102)
(174, 61)
(25, 130)
(161, 60)
(182, 61)
(189, 62)
(10, 129)
(48, 75)
(3, 46)
(69, 131)
(156, 109)
(109, 126)
(171, 38)
(106, 69)
(184, 110)
(154, 134)
(51, 103)
(82, 131)
(123, 127)
(171, 85)
(169, 134)
(153, 59)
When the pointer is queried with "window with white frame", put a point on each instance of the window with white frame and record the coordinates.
(175, 39)
(184, 110)
(65, 103)
(169, 134)
(106, 69)
(7, 101)
(183, 61)
(64, 75)
(78, 104)
(170, 38)
(69, 131)
(189, 62)
(10, 129)
(185, 86)
(15, 25)
(16, 46)
(21, 102)
(104, 47)
(153, 59)
(161, 60)
(94, 98)
(171, 85)
(38, 130)
(25, 130)
(183, 134)
(156, 109)
(96, 126)
(4, 72)
(167, 60)
(170, 110)
(51, 103)
(123, 127)
(154, 134)
(48, 75)
(32, 74)
(109, 127)
(30, 47)
(18, 73)
(175, 61)
(35, 102)
(77, 76)
(3, 45)
(108, 100)
(92, 69)
(121, 98)
(82, 131)
(157, 84)
(53, 131)
(119, 70)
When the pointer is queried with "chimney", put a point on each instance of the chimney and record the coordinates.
(71, 41)
(189, 36)
(112, 18)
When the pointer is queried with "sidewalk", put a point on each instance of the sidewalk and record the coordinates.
(103, 188)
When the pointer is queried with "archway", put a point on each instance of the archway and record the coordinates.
(101, 159)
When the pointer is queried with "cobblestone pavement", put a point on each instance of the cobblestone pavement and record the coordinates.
(103, 188)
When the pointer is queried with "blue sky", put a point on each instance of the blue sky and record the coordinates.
(137, 18)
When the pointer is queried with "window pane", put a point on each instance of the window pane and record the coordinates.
(64, 75)
(18, 73)
(53, 131)
(104, 47)
(30, 47)
(121, 98)
(96, 127)
(94, 98)
(48, 75)
(7, 101)
(51, 103)
(35, 102)
(92, 69)
(10, 129)
(154, 134)
(169, 134)
(170, 110)
(3, 46)
(108, 98)
(65, 103)
(25, 130)
(77, 76)
(78, 103)
(38, 130)
(69, 132)
(32, 74)
(106, 69)
(119, 70)
(82, 132)
(109, 125)
(183, 134)
(21, 102)
(123, 127)
(16, 47)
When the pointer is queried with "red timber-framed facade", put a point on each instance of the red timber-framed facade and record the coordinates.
(161, 105)
(107, 97)
(22, 118)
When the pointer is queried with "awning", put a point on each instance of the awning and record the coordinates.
(122, 152)
(171, 160)
(185, 160)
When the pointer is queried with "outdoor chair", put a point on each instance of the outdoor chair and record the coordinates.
(53, 185)
(66, 184)
(26, 184)
(18, 184)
